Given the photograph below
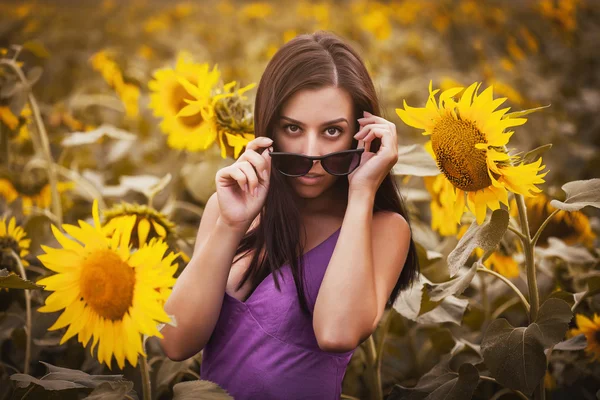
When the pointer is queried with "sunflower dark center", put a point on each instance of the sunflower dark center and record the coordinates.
(179, 96)
(29, 184)
(107, 284)
(453, 142)
(8, 243)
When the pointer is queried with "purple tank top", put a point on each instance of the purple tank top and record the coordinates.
(265, 348)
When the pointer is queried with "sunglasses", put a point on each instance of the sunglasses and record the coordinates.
(339, 163)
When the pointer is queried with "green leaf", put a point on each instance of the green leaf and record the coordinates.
(12, 281)
(579, 194)
(563, 295)
(110, 391)
(485, 236)
(558, 248)
(553, 320)
(416, 161)
(441, 383)
(458, 285)
(59, 378)
(578, 342)
(514, 356)
(414, 304)
(522, 113)
(199, 389)
(534, 154)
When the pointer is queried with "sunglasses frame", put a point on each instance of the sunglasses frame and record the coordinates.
(313, 158)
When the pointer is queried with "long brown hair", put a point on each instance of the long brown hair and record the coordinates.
(310, 61)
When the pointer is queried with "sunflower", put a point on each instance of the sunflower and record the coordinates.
(570, 227)
(234, 119)
(106, 290)
(149, 224)
(440, 207)
(12, 237)
(33, 189)
(127, 92)
(198, 130)
(468, 141)
(591, 329)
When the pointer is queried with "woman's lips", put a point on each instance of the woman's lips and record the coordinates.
(308, 180)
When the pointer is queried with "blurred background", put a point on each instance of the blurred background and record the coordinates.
(106, 77)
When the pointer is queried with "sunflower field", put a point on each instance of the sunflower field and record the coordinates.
(116, 115)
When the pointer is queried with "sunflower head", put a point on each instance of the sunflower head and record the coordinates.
(32, 188)
(591, 329)
(108, 290)
(148, 223)
(12, 238)
(571, 227)
(468, 141)
(187, 86)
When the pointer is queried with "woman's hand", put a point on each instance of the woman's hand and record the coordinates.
(242, 186)
(374, 166)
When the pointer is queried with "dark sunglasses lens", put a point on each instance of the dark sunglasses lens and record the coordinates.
(292, 165)
(341, 163)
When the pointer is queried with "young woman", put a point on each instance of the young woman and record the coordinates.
(324, 239)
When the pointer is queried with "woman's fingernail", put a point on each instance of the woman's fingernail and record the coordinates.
(271, 148)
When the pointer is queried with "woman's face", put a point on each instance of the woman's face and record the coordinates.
(315, 122)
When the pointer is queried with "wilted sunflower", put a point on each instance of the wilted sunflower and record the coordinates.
(571, 227)
(235, 120)
(591, 329)
(12, 237)
(149, 224)
(197, 129)
(32, 188)
(107, 291)
(467, 142)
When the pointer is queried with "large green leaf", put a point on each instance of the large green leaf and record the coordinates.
(59, 378)
(12, 281)
(441, 383)
(553, 320)
(199, 389)
(514, 356)
(485, 236)
(579, 194)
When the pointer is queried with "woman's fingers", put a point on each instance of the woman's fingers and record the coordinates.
(258, 162)
(251, 176)
(236, 174)
(258, 143)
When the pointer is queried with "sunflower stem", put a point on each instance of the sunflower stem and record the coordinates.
(28, 312)
(41, 129)
(145, 372)
(541, 228)
(384, 330)
(534, 297)
(374, 378)
(5, 154)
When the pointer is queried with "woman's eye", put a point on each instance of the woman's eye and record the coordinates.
(291, 130)
(335, 128)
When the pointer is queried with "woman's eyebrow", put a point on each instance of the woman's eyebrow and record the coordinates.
(323, 124)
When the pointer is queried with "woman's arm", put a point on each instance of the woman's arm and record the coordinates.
(365, 265)
(197, 295)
